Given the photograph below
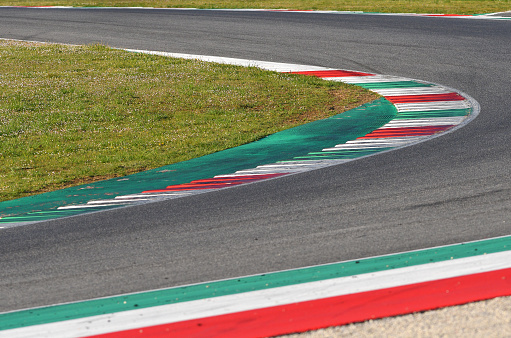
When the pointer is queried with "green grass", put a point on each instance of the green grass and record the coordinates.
(384, 6)
(71, 115)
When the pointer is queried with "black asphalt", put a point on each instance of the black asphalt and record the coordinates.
(451, 189)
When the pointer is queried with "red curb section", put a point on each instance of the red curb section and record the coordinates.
(403, 132)
(463, 15)
(332, 73)
(215, 183)
(425, 98)
(310, 315)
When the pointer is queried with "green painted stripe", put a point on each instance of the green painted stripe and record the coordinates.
(433, 113)
(83, 309)
(285, 145)
(389, 85)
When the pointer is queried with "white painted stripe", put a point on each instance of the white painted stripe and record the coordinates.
(140, 198)
(354, 147)
(413, 124)
(259, 171)
(121, 201)
(387, 140)
(428, 106)
(294, 166)
(285, 165)
(279, 168)
(291, 167)
(363, 145)
(247, 301)
(368, 79)
(376, 143)
(149, 195)
(273, 66)
(441, 121)
(236, 175)
(447, 119)
(82, 206)
(412, 91)
(110, 202)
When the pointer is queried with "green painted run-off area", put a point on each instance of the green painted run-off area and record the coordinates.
(298, 143)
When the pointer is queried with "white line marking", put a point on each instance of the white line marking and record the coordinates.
(441, 121)
(387, 140)
(82, 206)
(272, 66)
(429, 106)
(362, 146)
(258, 171)
(110, 202)
(149, 195)
(412, 91)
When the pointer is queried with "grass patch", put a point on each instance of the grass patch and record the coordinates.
(383, 6)
(72, 115)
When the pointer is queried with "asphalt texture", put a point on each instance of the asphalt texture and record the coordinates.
(451, 189)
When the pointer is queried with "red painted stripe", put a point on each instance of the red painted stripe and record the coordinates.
(222, 181)
(238, 178)
(200, 185)
(340, 310)
(400, 132)
(445, 15)
(332, 73)
(259, 176)
(190, 186)
(214, 183)
(425, 98)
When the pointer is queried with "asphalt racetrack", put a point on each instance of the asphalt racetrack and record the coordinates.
(448, 190)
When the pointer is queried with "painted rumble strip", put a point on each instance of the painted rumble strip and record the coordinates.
(410, 111)
(285, 301)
